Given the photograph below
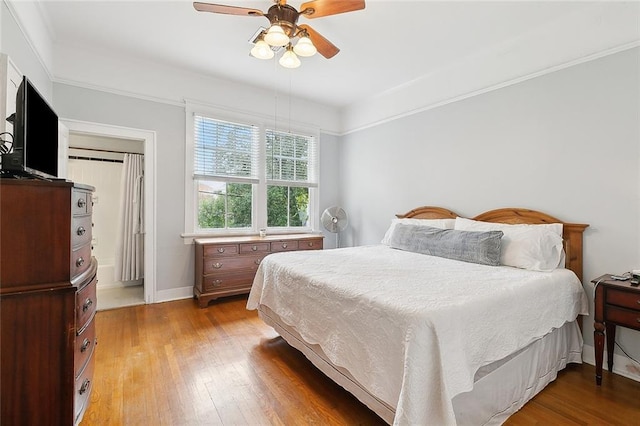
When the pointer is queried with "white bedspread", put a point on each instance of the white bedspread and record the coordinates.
(413, 329)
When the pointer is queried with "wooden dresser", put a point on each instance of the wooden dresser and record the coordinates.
(227, 265)
(47, 302)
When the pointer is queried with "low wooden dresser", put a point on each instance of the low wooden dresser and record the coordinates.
(226, 266)
(47, 302)
(616, 303)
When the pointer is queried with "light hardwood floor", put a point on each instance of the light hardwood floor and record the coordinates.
(175, 364)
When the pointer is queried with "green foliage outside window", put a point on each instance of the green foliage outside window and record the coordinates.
(297, 200)
(237, 197)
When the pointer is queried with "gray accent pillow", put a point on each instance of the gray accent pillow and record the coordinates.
(467, 246)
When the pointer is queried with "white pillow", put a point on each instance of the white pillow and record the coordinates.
(533, 247)
(434, 223)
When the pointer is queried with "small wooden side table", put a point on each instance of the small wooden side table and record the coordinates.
(616, 303)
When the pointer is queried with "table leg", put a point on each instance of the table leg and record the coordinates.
(598, 340)
(611, 340)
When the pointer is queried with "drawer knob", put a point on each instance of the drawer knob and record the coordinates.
(81, 230)
(220, 249)
(85, 386)
(217, 265)
(257, 261)
(217, 283)
(284, 245)
(87, 304)
(85, 344)
(254, 248)
(310, 243)
(82, 202)
(79, 262)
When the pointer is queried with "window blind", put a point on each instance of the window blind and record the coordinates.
(225, 151)
(291, 159)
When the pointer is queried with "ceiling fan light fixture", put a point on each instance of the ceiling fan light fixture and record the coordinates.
(304, 47)
(276, 36)
(262, 50)
(289, 59)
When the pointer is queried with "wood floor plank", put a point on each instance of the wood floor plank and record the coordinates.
(176, 364)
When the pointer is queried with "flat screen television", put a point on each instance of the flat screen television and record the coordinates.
(35, 135)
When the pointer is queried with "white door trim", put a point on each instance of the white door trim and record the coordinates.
(149, 139)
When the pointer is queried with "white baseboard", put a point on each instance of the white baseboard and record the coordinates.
(174, 294)
(119, 284)
(621, 364)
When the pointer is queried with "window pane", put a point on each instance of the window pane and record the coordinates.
(225, 149)
(288, 156)
(301, 170)
(287, 169)
(277, 201)
(211, 204)
(224, 205)
(299, 206)
(287, 206)
(239, 205)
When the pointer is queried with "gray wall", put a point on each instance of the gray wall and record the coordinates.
(329, 180)
(567, 143)
(14, 44)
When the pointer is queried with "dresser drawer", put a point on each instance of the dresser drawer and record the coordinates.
(81, 203)
(226, 281)
(220, 250)
(85, 304)
(284, 245)
(80, 231)
(315, 244)
(254, 248)
(625, 317)
(623, 298)
(82, 389)
(230, 264)
(80, 259)
(85, 344)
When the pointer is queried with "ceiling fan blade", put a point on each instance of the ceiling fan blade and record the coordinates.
(324, 46)
(320, 8)
(227, 10)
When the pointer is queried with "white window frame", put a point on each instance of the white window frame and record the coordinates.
(259, 201)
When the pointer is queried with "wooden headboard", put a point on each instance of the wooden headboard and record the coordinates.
(572, 232)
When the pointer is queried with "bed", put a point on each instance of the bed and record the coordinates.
(422, 337)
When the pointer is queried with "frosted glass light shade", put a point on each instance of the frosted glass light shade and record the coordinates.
(262, 50)
(289, 59)
(304, 47)
(276, 36)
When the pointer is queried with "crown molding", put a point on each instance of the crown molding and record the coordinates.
(427, 107)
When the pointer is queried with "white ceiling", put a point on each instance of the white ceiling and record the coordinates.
(383, 47)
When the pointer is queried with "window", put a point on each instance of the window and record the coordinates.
(245, 176)
(288, 181)
(225, 171)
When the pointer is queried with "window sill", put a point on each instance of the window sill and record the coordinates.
(189, 237)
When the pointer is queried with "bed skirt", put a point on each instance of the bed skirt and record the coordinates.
(500, 389)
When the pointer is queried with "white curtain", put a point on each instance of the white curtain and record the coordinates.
(129, 264)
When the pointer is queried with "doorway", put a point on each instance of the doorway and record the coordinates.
(95, 156)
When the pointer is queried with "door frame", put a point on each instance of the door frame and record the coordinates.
(149, 139)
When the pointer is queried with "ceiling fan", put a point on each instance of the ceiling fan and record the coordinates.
(284, 27)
